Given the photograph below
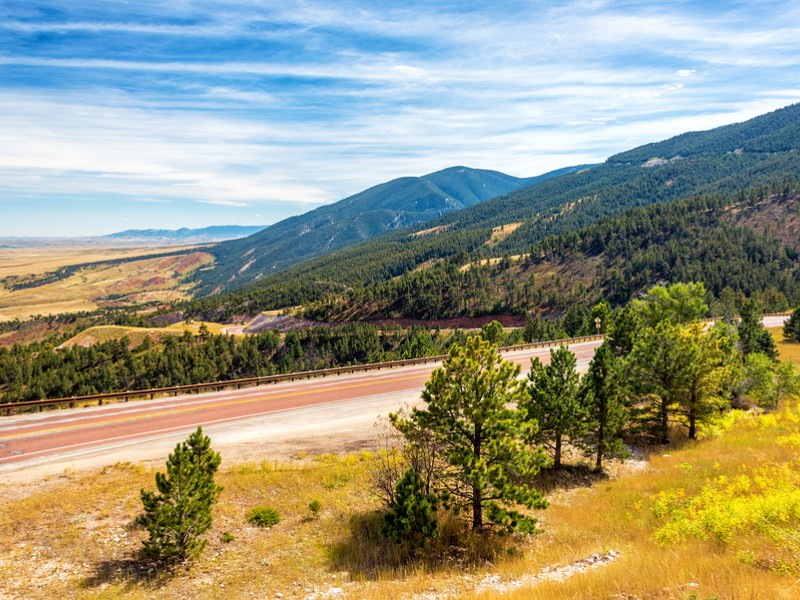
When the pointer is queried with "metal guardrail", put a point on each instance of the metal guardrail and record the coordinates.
(74, 401)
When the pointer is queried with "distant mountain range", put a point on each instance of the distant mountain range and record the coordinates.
(386, 207)
(184, 235)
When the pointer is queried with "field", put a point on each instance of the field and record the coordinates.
(31, 283)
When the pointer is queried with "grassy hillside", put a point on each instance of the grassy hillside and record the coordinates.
(760, 152)
(384, 208)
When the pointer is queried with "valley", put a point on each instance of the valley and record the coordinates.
(56, 280)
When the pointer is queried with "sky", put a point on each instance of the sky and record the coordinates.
(149, 114)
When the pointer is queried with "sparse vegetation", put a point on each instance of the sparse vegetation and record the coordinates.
(264, 516)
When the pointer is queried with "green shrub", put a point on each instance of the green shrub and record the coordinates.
(315, 506)
(179, 512)
(264, 516)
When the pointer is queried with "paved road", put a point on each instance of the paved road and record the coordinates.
(298, 415)
(339, 406)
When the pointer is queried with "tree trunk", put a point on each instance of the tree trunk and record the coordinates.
(477, 500)
(477, 510)
(664, 422)
(692, 426)
(557, 457)
(600, 443)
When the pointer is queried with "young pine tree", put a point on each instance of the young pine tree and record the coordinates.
(411, 518)
(554, 400)
(605, 402)
(480, 438)
(791, 328)
(179, 513)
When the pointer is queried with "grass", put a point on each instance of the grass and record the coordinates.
(136, 335)
(74, 537)
(786, 350)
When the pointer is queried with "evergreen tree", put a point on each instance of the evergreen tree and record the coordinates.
(709, 357)
(791, 328)
(625, 328)
(554, 401)
(481, 438)
(605, 402)
(659, 369)
(754, 336)
(179, 513)
(677, 303)
(411, 518)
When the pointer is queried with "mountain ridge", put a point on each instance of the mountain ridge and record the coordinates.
(386, 207)
(725, 160)
(213, 233)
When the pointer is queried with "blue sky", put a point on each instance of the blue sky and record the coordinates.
(137, 114)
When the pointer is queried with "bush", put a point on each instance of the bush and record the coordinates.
(315, 506)
(411, 520)
(264, 516)
(179, 513)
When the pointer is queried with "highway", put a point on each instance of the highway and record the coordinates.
(267, 422)
(328, 413)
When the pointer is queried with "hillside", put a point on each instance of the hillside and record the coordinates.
(725, 160)
(184, 235)
(737, 246)
(384, 208)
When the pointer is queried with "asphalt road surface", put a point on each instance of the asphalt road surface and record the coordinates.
(323, 414)
(273, 421)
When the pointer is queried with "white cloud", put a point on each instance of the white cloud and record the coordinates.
(356, 94)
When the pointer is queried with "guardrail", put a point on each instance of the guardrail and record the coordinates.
(74, 401)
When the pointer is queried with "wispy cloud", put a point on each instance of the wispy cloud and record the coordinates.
(241, 104)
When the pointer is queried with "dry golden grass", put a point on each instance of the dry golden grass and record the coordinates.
(786, 350)
(73, 538)
(18, 262)
(156, 279)
(502, 232)
(136, 335)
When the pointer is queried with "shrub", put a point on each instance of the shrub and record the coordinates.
(264, 516)
(315, 506)
(411, 519)
(180, 512)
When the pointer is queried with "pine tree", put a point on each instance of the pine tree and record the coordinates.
(791, 328)
(554, 401)
(482, 439)
(179, 513)
(605, 401)
(411, 518)
(754, 336)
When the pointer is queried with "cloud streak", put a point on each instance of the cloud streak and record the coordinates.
(269, 108)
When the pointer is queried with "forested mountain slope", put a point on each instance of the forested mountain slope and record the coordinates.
(725, 160)
(390, 206)
(742, 245)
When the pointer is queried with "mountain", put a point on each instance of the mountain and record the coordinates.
(760, 152)
(384, 208)
(215, 233)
